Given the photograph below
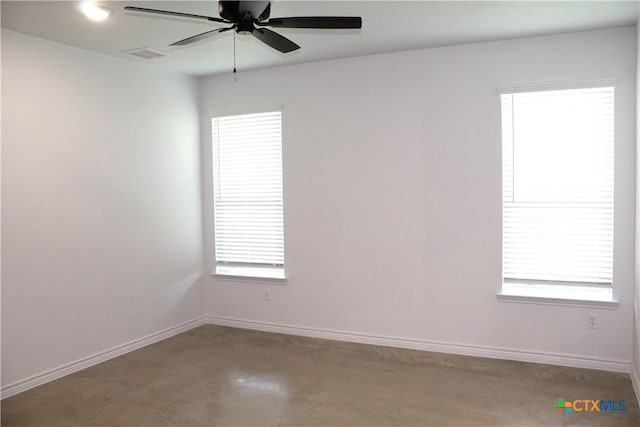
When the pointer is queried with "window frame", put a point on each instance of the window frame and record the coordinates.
(247, 271)
(554, 292)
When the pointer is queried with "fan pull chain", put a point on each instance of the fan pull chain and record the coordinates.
(234, 52)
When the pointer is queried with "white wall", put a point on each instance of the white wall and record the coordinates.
(101, 212)
(392, 181)
(392, 178)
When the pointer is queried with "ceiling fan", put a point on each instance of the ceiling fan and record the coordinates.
(251, 17)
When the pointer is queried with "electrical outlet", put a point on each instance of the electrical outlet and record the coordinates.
(265, 295)
(592, 321)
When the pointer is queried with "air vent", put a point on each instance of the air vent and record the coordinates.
(145, 53)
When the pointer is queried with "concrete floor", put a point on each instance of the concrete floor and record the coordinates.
(217, 376)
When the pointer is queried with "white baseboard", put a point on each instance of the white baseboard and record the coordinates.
(635, 380)
(69, 368)
(440, 347)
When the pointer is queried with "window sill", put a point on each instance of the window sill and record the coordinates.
(250, 273)
(573, 296)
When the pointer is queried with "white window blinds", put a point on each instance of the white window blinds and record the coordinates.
(247, 178)
(558, 185)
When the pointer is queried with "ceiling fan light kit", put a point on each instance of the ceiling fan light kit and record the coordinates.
(251, 17)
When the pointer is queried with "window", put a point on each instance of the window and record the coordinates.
(247, 190)
(557, 164)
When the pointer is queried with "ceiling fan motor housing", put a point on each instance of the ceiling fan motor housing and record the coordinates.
(244, 13)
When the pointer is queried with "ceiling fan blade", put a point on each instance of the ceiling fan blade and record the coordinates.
(171, 13)
(200, 36)
(275, 40)
(265, 13)
(335, 22)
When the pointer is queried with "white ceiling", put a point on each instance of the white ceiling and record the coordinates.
(387, 26)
